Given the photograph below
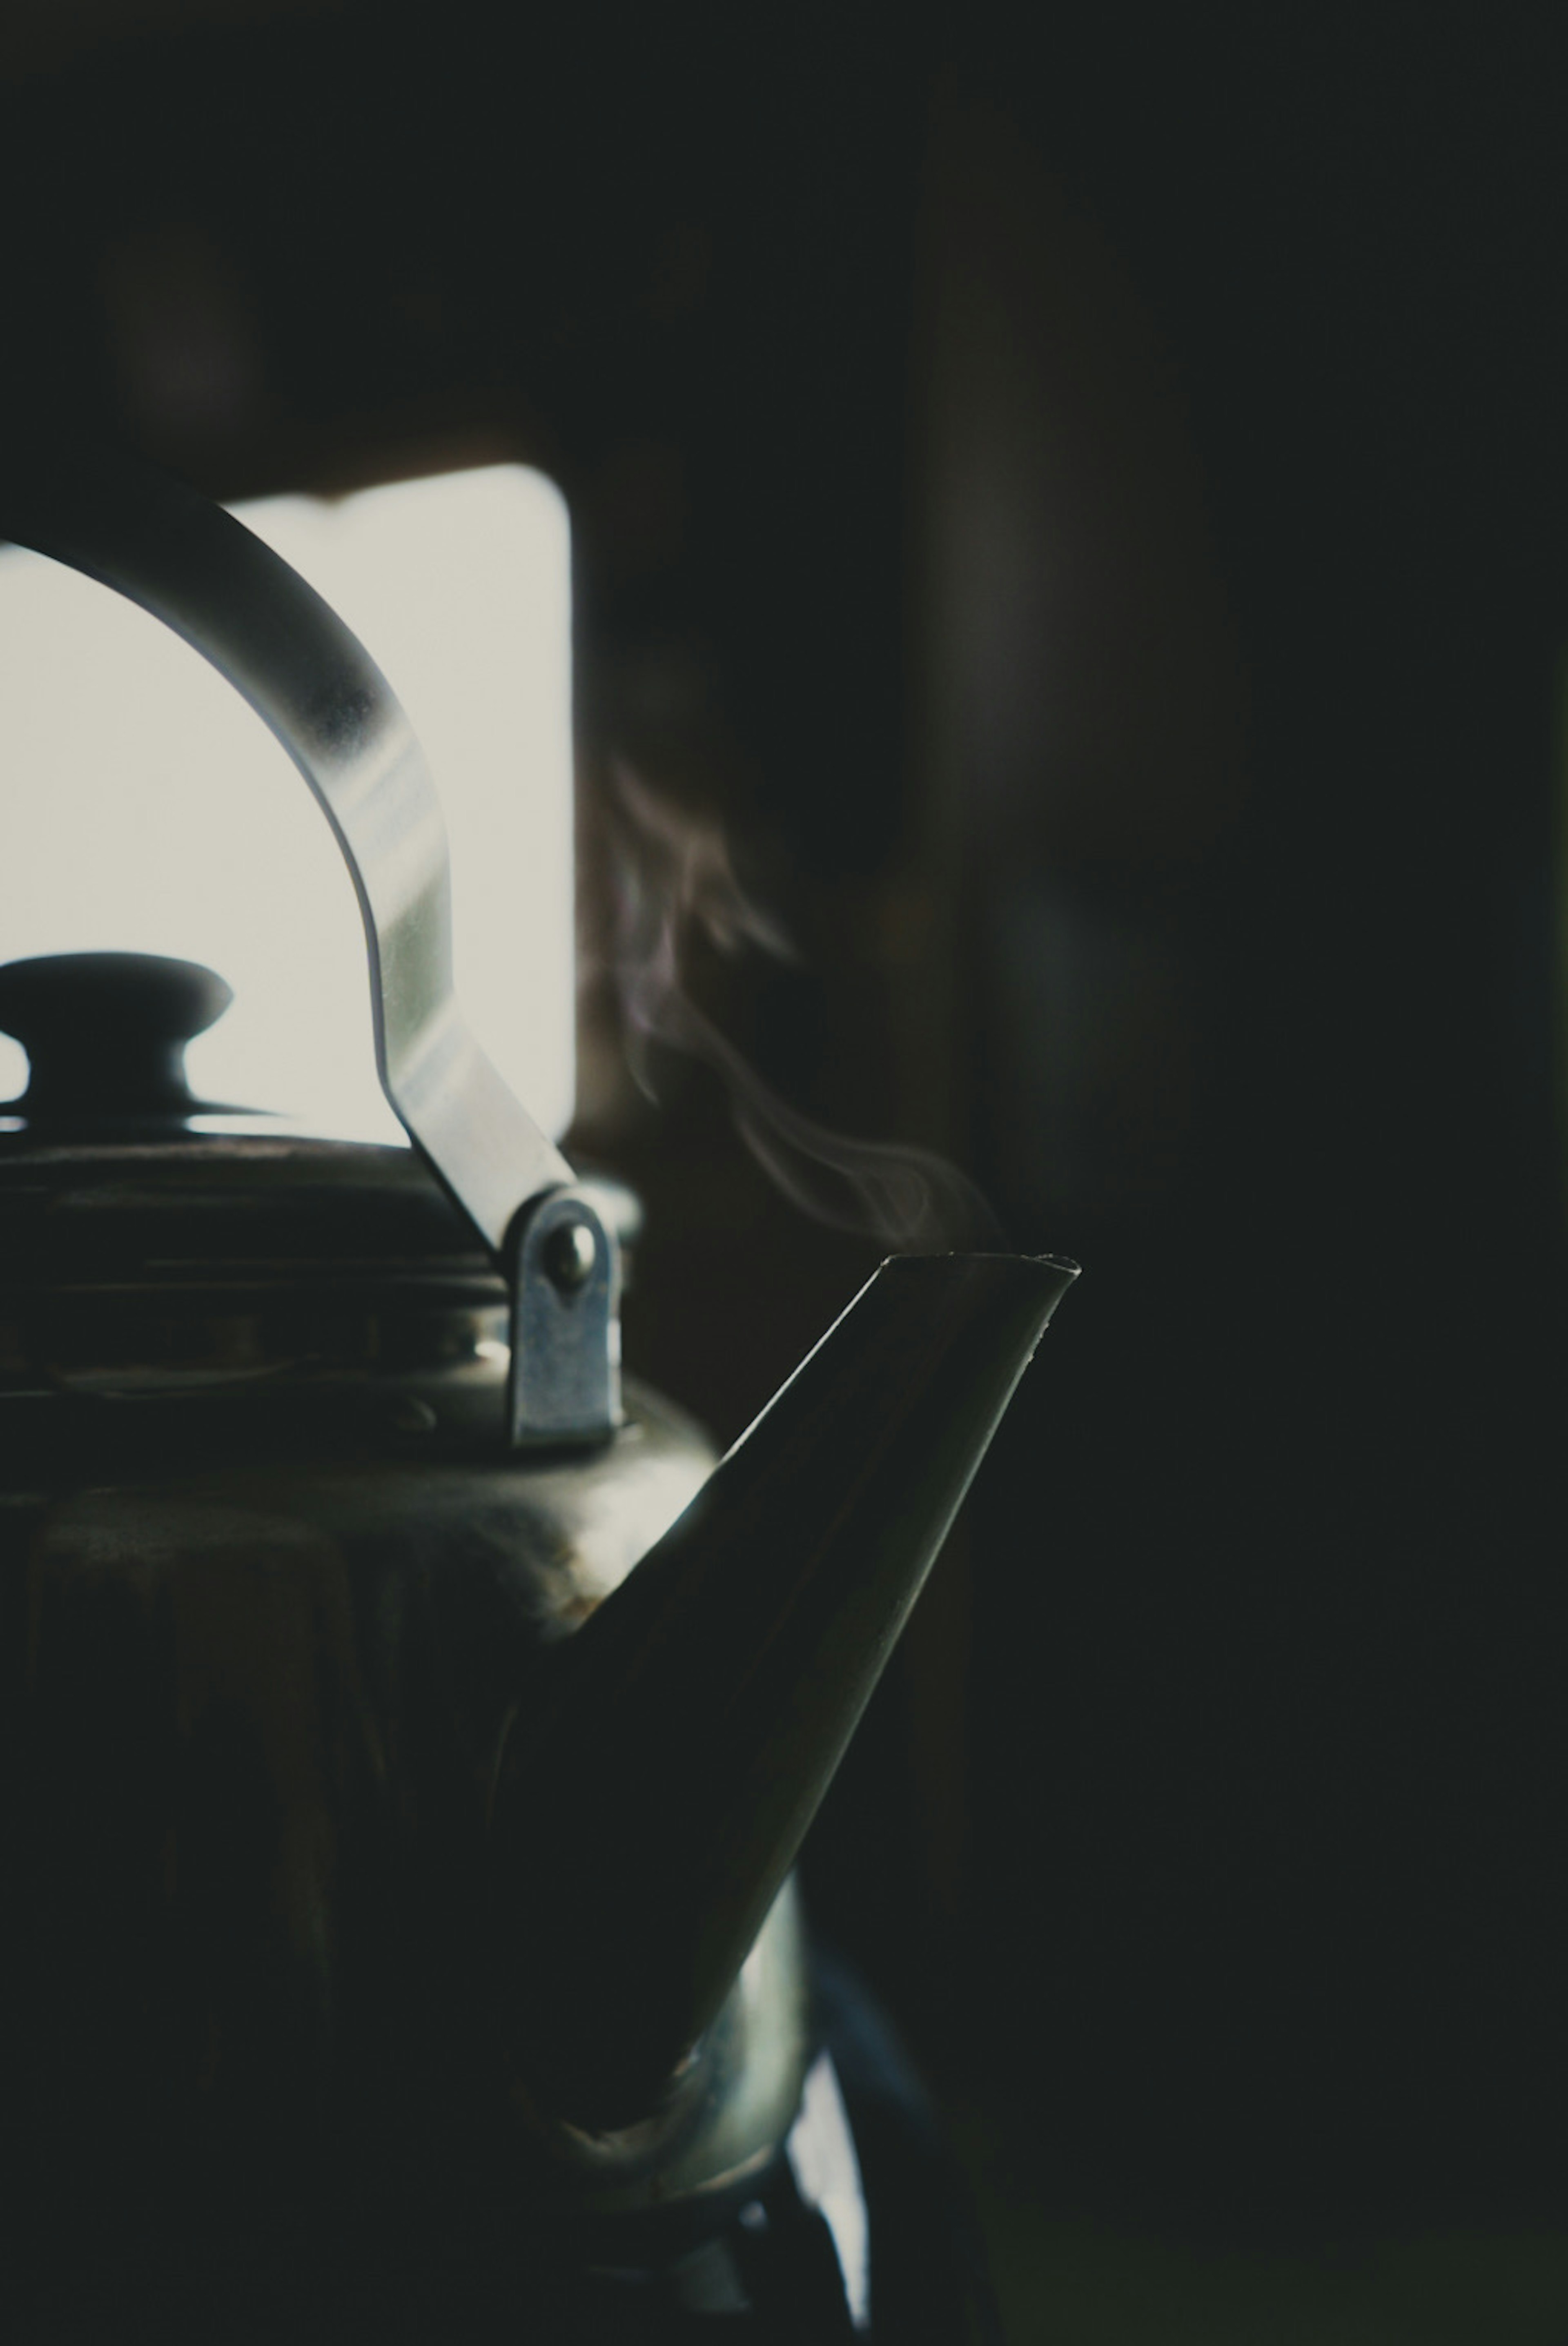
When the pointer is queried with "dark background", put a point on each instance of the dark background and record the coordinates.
(1084, 505)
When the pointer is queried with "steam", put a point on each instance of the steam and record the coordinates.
(675, 881)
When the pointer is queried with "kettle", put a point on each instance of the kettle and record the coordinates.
(408, 1727)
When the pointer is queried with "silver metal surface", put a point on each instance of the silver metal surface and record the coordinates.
(252, 1720)
(701, 1712)
(195, 568)
(566, 1339)
(192, 566)
(821, 2154)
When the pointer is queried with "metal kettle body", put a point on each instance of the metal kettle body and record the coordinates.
(408, 1728)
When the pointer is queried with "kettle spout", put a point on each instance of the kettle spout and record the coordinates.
(642, 1832)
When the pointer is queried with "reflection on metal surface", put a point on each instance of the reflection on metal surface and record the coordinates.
(702, 1711)
(719, 2120)
(821, 2153)
(193, 566)
(566, 1344)
(271, 1654)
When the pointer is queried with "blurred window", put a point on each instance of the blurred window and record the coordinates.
(146, 808)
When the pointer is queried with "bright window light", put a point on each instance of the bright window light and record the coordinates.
(145, 808)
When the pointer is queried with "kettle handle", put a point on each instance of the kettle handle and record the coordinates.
(203, 574)
(182, 559)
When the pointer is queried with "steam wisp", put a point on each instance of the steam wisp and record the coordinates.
(674, 881)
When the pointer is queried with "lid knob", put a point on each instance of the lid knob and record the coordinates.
(105, 1035)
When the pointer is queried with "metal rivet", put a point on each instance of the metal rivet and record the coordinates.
(568, 1255)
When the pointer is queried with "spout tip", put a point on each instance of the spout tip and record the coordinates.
(1062, 1263)
(1060, 1268)
(1035, 1280)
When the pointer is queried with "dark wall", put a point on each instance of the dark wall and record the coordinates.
(1270, 1746)
(1085, 506)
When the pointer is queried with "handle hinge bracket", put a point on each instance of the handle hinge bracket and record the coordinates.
(563, 1267)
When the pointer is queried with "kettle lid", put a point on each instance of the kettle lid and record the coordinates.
(105, 1035)
(127, 1203)
(108, 1115)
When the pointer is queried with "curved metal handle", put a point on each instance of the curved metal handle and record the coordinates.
(236, 602)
